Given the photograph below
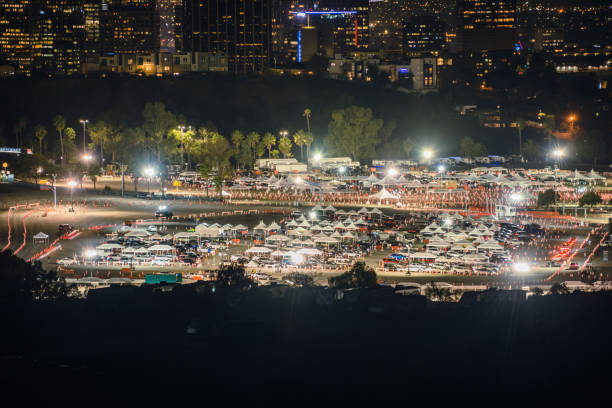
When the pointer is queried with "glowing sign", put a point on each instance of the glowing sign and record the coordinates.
(299, 46)
(303, 13)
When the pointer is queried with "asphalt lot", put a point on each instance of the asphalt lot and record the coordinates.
(92, 210)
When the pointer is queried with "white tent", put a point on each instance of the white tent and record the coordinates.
(326, 240)
(209, 232)
(106, 247)
(388, 180)
(273, 227)
(40, 237)
(137, 233)
(330, 209)
(260, 226)
(186, 235)
(278, 238)
(160, 248)
(256, 250)
(309, 251)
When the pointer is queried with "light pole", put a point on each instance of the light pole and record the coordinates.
(122, 177)
(571, 119)
(86, 159)
(182, 128)
(84, 122)
(558, 154)
(72, 184)
(149, 172)
(427, 155)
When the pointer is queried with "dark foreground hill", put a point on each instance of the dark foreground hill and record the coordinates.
(206, 334)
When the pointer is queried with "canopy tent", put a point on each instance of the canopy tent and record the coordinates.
(388, 180)
(278, 238)
(185, 236)
(310, 252)
(260, 227)
(326, 240)
(160, 248)
(41, 238)
(108, 247)
(138, 233)
(257, 250)
(273, 227)
(423, 255)
(594, 176)
(208, 232)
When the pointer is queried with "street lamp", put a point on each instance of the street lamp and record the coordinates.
(571, 120)
(72, 184)
(392, 172)
(441, 169)
(318, 157)
(149, 172)
(427, 155)
(84, 122)
(182, 128)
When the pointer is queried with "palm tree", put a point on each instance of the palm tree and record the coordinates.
(298, 139)
(269, 140)
(308, 138)
(252, 140)
(60, 124)
(22, 124)
(307, 114)
(408, 146)
(40, 132)
(520, 125)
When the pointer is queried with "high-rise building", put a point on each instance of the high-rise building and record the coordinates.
(17, 23)
(92, 10)
(423, 34)
(487, 25)
(42, 35)
(345, 25)
(240, 29)
(62, 36)
(130, 26)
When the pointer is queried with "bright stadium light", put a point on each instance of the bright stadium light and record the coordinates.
(558, 153)
(516, 196)
(521, 267)
(149, 171)
(392, 172)
(427, 153)
(297, 259)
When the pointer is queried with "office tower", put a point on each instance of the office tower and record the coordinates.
(240, 29)
(16, 29)
(344, 25)
(423, 34)
(62, 36)
(43, 36)
(487, 25)
(130, 26)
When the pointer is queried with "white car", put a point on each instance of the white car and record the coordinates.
(66, 261)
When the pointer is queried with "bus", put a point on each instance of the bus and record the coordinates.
(163, 277)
